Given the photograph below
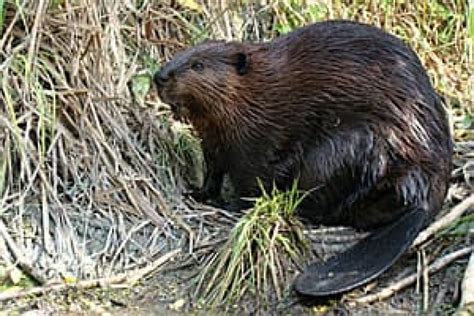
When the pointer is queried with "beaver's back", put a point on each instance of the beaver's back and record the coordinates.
(352, 99)
(338, 74)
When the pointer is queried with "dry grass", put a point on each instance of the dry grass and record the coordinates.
(88, 177)
(91, 166)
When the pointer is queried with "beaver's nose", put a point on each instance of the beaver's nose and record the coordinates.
(161, 78)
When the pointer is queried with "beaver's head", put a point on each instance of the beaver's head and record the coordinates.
(201, 82)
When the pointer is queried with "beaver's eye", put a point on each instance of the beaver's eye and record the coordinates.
(197, 66)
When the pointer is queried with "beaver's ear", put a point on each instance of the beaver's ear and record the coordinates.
(242, 62)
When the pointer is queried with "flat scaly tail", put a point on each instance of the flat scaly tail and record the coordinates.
(364, 261)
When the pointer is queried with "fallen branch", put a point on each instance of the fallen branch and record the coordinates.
(128, 277)
(444, 221)
(403, 283)
(466, 306)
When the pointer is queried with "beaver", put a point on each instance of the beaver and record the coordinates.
(343, 108)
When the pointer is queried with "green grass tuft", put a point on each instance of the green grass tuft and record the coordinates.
(258, 257)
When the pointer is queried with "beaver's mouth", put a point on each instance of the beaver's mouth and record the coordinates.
(179, 110)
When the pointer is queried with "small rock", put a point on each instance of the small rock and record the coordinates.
(178, 305)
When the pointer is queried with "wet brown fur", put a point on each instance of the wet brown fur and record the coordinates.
(345, 108)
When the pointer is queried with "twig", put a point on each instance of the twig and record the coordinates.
(19, 256)
(141, 204)
(34, 33)
(403, 283)
(466, 306)
(136, 276)
(425, 280)
(130, 278)
(45, 220)
(169, 42)
(444, 221)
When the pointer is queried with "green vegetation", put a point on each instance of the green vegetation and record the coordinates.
(255, 259)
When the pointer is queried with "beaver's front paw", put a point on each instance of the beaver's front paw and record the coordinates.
(199, 195)
(206, 197)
